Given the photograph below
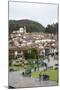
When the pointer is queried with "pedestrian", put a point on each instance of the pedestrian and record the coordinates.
(39, 76)
(23, 73)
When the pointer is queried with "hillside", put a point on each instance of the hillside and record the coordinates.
(31, 26)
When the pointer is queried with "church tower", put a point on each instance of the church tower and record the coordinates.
(24, 29)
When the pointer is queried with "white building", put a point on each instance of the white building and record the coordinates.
(22, 30)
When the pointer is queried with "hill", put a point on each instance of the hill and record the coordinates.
(31, 26)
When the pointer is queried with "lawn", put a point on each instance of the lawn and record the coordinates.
(53, 74)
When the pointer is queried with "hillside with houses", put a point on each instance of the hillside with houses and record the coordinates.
(22, 41)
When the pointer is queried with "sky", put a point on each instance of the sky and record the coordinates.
(43, 13)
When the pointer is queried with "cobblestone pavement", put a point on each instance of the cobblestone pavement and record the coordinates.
(18, 81)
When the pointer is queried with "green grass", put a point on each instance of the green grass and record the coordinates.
(35, 74)
(53, 74)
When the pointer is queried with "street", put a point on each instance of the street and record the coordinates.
(18, 81)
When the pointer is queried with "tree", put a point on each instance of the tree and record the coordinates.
(52, 28)
(30, 53)
(31, 26)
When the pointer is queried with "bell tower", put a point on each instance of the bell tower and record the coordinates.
(24, 29)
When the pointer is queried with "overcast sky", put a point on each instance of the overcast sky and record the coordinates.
(42, 13)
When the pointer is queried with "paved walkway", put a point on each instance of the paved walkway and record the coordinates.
(18, 81)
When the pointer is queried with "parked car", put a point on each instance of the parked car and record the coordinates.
(11, 69)
(45, 77)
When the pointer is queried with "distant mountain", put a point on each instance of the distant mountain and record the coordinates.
(31, 26)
